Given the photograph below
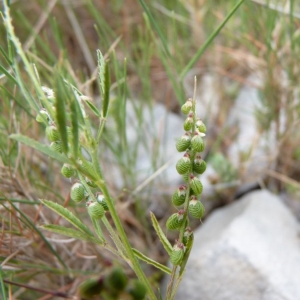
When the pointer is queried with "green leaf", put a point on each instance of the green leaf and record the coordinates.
(67, 215)
(93, 108)
(2, 287)
(106, 90)
(8, 75)
(5, 56)
(166, 244)
(187, 252)
(40, 147)
(74, 127)
(152, 262)
(71, 233)
(101, 71)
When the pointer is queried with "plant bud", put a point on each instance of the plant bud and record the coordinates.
(77, 192)
(184, 164)
(177, 254)
(91, 287)
(56, 146)
(184, 142)
(95, 210)
(101, 200)
(197, 142)
(116, 280)
(187, 106)
(196, 208)
(199, 165)
(187, 235)
(52, 133)
(188, 123)
(175, 220)
(137, 290)
(43, 116)
(196, 185)
(200, 126)
(67, 171)
(178, 197)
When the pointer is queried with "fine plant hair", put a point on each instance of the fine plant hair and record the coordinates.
(65, 113)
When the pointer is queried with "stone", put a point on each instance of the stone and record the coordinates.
(249, 250)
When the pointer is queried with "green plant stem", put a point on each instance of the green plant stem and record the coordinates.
(135, 264)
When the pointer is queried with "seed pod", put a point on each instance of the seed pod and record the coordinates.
(178, 197)
(197, 142)
(52, 133)
(199, 165)
(186, 177)
(187, 106)
(95, 210)
(91, 287)
(177, 254)
(188, 123)
(175, 220)
(196, 208)
(183, 165)
(196, 185)
(137, 290)
(187, 235)
(43, 116)
(184, 142)
(67, 171)
(200, 126)
(56, 146)
(90, 182)
(116, 280)
(101, 200)
(77, 192)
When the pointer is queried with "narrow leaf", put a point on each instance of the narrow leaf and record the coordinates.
(5, 55)
(40, 147)
(67, 215)
(74, 127)
(101, 70)
(106, 90)
(152, 262)
(166, 244)
(2, 287)
(8, 75)
(93, 108)
(71, 233)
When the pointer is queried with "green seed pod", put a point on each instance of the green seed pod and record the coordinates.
(188, 123)
(91, 287)
(184, 164)
(95, 210)
(77, 192)
(199, 165)
(101, 200)
(184, 142)
(90, 182)
(187, 235)
(43, 116)
(200, 126)
(197, 143)
(137, 290)
(52, 133)
(196, 208)
(175, 220)
(187, 106)
(56, 146)
(196, 185)
(186, 177)
(178, 197)
(116, 280)
(177, 254)
(67, 171)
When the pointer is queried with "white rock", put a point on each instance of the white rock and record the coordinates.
(249, 250)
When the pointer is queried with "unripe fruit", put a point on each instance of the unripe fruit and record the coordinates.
(91, 287)
(197, 142)
(77, 192)
(116, 280)
(187, 235)
(188, 123)
(196, 185)
(184, 164)
(56, 146)
(52, 133)
(95, 210)
(184, 142)
(43, 116)
(178, 197)
(177, 254)
(101, 200)
(196, 208)
(175, 220)
(200, 126)
(67, 171)
(187, 106)
(137, 290)
(199, 165)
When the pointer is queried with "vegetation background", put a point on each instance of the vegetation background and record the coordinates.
(149, 61)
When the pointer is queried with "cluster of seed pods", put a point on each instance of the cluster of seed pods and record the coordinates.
(189, 166)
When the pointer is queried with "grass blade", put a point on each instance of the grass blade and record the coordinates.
(106, 90)
(8, 75)
(208, 41)
(2, 287)
(165, 242)
(152, 262)
(67, 215)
